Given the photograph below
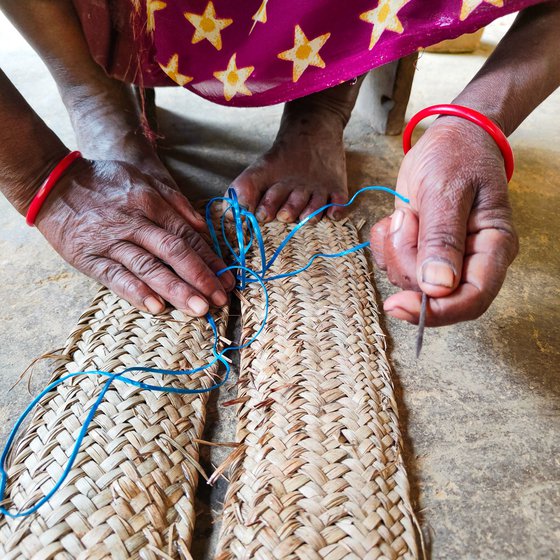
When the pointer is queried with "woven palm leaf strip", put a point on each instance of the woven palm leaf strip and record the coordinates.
(131, 491)
(322, 476)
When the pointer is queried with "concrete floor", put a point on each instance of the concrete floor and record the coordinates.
(480, 409)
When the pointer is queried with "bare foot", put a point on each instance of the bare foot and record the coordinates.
(304, 169)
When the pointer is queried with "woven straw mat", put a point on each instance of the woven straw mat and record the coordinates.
(130, 493)
(322, 476)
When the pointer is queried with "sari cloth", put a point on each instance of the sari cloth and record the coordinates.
(261, 52)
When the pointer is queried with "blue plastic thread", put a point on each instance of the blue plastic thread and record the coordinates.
(241, 217)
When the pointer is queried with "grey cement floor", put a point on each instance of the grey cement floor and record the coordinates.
(480, 410)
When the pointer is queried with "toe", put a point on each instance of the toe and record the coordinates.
(335, 212)
(294, 206)
(271, 202)
(318, 200)
(248, 187)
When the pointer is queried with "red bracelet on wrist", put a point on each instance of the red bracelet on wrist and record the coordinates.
(466, 113)
(48, 185)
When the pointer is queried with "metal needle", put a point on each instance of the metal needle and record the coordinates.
(421, 325)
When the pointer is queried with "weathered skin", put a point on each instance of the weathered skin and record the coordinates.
(306, 166)
(457, 239)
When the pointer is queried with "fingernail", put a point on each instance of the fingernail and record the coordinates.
(198, 305)
(261, 215)
(438, 274)
(284, 216)
(219, 297)
(154, 305)
(396, 221)
(337, 214)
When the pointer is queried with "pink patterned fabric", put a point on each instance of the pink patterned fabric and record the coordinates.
(261, 52)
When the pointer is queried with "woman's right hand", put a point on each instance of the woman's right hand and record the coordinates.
(136, 235)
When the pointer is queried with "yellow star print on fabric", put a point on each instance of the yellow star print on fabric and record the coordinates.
(208, 26)
(304, 53)
(383, 17)
(234, 79)
(469, 6)
(172, 70)
(152, 6)
(260, 15)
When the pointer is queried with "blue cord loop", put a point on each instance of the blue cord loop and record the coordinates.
(242, 220)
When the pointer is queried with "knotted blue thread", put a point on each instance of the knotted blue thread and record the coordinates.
(241, 219)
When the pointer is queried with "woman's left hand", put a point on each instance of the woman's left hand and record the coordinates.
(455, 240)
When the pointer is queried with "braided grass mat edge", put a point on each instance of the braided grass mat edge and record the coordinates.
(322, 476)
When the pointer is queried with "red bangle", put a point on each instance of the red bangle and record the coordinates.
(48, 185)
(466, 113)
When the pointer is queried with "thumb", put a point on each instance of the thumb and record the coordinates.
(443, 212)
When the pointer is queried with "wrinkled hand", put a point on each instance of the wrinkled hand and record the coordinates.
(455, 240)
(137, 235)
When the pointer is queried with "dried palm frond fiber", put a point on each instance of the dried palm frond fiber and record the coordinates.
(317, 470)
(130, 493)
(322, 474)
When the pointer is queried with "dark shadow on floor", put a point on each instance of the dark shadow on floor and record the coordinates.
(203, 158)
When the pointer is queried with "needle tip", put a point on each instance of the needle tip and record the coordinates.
(421, 325)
